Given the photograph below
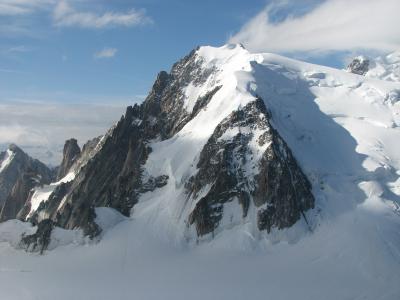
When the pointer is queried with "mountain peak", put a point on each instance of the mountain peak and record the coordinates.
(14, 148)
(204, 138)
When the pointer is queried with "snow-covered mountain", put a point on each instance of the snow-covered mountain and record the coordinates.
(294, 164)
(207, 146)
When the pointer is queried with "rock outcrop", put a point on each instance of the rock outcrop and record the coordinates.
(40, 240)
(359, 65)
(71, 153)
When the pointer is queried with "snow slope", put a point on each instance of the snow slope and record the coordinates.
(342, 128)
(9, 155)
(42, 194)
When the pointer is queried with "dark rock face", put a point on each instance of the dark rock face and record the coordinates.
(40, 240)
(166, 100)
(71, 153)
(279, 190)
(359, 65)
(21, 175)
(203, 101)
(153, 183)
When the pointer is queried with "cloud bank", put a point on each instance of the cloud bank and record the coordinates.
(333, 25)
(41, 128)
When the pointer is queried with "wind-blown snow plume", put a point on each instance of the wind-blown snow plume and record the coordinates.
(333, 25)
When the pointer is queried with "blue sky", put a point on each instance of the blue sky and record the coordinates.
(68, 68)
(48, 47)
(53, 62)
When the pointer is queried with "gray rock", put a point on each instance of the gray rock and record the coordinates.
(359, 65)
(153, 183)
(40, 240)
(71, 153)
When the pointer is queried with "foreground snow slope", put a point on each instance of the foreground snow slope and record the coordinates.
(344, 131)
(351, 258)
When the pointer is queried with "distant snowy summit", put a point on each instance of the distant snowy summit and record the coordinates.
(383, 67)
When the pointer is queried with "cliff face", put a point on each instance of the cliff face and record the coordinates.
(246, 161)
(71, 153)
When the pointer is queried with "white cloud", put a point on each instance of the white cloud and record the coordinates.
(12, 71)
(20, 16)
(106, 53)
(66, 16)
(14, 29)
(18, 49)
(333, 25)
(21, 7)
(7, 9)
(14, 50)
